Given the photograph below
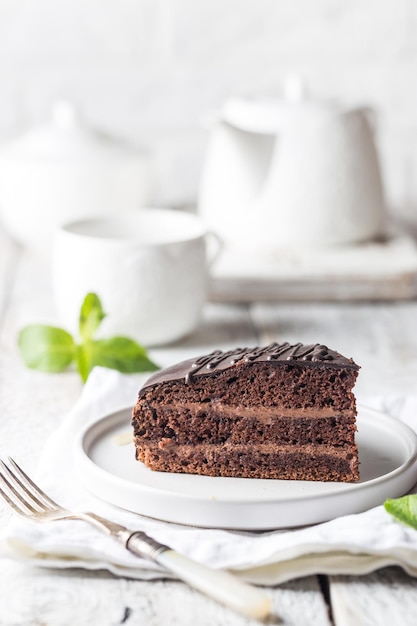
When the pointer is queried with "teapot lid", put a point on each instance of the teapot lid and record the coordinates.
(267, 116)
(65, 136)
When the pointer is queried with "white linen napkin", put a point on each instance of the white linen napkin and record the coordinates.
(354, 544)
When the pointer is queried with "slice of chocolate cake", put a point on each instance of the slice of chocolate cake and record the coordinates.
(282, 411)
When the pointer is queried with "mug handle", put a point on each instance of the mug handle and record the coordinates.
(216, 247)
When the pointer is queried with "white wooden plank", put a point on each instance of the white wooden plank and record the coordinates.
(32, 597)
(384, 598)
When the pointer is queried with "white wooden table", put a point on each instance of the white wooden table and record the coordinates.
(381, 337)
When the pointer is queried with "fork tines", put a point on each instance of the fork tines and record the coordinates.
(20, 492)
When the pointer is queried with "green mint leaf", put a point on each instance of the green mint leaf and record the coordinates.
(46, 348)
(52, 349)
(84, 360)
(91, 316)
(403, 509)
(120, 353)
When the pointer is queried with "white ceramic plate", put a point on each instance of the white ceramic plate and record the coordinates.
(107, 468)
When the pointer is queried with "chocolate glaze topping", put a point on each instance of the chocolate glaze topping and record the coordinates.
(313, 355)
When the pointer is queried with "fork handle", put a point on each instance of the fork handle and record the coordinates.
(219, 585)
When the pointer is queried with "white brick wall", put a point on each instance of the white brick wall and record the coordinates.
(149, 69)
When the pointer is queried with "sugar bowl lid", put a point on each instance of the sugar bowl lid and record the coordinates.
(66, 137)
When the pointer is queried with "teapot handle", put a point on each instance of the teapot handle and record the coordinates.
(216, 246)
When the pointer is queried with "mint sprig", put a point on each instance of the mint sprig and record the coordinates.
(46, 348)
(403, 509)
(51, 349)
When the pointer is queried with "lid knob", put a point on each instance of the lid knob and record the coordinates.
(65, 114)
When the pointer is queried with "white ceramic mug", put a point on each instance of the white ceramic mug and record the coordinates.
(148, 267)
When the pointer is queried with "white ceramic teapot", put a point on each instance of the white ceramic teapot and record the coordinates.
(286, 173)
(64, 170)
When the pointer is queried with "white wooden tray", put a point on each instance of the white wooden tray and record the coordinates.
(385, 270)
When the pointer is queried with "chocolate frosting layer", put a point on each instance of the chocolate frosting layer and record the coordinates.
(314, 355)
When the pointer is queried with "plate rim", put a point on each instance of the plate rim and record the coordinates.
(408, 436)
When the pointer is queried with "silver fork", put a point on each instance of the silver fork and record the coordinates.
(27, 500)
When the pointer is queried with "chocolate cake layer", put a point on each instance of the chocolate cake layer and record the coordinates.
(313, 355)
(261, 461)
(282, 411)
(213, 424)
(269, 384)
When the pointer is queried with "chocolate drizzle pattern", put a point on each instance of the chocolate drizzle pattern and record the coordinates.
(273, 352)
(315, 354)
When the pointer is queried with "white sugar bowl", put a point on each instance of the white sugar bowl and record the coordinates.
(64, 170)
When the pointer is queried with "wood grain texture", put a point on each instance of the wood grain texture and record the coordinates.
(332, 289)
(86, 599)
(381, 599)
